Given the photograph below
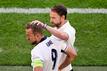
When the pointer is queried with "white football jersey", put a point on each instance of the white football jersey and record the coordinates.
(71, 33)
(49, 52)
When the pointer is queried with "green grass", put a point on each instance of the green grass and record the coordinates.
(50, 3)
(15, 68)
(91, 40)
(13, 43)
(76, 68)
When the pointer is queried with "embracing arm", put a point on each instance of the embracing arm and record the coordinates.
(57, 33)
(71, 55)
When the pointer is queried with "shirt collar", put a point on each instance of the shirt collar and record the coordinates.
(35, 43)
(43, 39)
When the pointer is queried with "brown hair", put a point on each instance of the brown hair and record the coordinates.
(34, 28)
(60, 10)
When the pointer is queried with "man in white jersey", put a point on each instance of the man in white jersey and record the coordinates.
(47, 52)
(63, 32)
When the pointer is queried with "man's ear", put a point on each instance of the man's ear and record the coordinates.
(63, 16)
(37, 34)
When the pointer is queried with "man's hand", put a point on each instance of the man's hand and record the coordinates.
(40, 24)
(59, 69)
(71, 55)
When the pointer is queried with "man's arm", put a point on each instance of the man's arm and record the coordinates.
(71, 55)
(55, 32)
(38, 69)
(37, 65)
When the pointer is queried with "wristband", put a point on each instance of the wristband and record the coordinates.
(45, 25)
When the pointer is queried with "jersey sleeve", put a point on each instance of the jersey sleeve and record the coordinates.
(37, 59)
(70, 32)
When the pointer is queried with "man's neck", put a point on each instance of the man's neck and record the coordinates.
(42, 38)
(62, 23)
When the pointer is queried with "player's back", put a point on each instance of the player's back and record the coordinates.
(49, 52)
